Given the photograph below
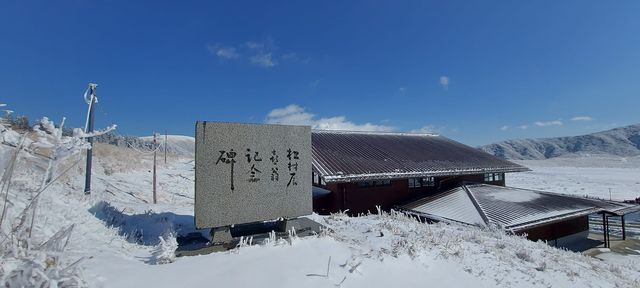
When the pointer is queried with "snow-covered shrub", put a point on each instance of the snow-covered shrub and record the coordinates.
(165, 251)
(524, 255)
(39, 266)
(542, 266)
(26, 261)
(29, 273)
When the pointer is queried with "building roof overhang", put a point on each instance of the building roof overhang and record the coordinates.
(513, 209)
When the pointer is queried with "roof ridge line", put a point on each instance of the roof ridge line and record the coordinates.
(375, 132)
(477, 205)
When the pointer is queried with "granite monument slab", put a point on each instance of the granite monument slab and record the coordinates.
(251, 172)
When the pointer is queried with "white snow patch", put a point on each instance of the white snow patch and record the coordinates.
(587, 176)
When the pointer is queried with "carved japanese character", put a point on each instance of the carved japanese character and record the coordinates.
(228, 158)
(256, 156)
(252, 174)
(274, 158)
(292, 180)
(291, 154)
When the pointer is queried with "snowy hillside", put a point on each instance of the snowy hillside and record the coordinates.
(623, 141)
(591, 176)
(176, 144)
(115, 237)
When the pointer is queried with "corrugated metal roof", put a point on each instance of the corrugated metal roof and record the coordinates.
(341, 156)
(512, 208)
(452, 205)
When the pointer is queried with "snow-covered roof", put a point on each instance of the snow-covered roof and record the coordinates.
(512, 208)
(340, 156)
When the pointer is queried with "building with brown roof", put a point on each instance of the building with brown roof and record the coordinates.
(363, 170)
(438, 179)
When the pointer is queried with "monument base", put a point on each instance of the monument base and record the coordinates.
(221, 235)
(227, 238)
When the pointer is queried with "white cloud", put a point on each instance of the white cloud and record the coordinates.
(255, 45)
(444, 81)
(429, 129)
(581, 118)
(548, 123)
(225, 52)
(504, 128)
(262, 54)
(402, 89)
(294, 114)
(263, 60)
(524, 127)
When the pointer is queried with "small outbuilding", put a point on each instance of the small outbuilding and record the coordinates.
(540, 215)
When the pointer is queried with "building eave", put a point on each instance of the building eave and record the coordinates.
(404, 175)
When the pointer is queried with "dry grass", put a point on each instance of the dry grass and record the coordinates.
(113, 159)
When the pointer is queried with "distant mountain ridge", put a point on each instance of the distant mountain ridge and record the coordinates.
(622, 141)
(176, 144)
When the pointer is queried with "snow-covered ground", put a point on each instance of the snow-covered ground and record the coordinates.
(584, 176)
(121, 240)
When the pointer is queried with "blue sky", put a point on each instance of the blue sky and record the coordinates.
(475, 71)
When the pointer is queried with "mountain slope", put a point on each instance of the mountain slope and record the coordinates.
(623, 141)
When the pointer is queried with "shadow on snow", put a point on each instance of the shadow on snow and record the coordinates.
(143, 229)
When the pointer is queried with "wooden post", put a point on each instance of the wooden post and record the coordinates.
(154, 168)
(624, 235)
(604, 230)
(608, 236)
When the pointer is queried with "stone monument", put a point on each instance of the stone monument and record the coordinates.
(250, 172)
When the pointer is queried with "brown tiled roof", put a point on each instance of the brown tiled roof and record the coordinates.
(352, 156)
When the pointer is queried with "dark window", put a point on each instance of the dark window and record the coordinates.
(414, 182)
(363, 184)
(376, 183)
(429, 182)
(382, 183)
(491, 177)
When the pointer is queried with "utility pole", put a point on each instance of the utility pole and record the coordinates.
(609, 194)
(91, 92)
(165, 147)
(155, 150)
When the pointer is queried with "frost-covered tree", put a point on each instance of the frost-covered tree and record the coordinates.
(37, 264)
